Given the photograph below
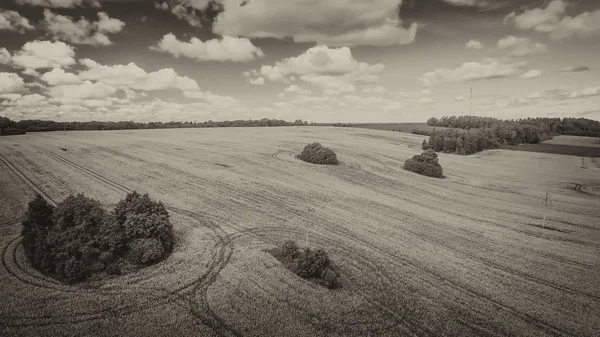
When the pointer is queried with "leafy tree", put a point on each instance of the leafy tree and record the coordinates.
(317, 154)
(425, 164)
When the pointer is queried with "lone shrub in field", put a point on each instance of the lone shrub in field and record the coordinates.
(317, 154)
(309, 264)
(78, 239)
(425, 145)
(425, 163)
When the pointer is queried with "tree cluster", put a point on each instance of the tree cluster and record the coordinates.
(310, 264)
(30, 125)
(78, 239)
(421, 132)
(546, 126)
(426, 164)
(316, 154)
(470, 141)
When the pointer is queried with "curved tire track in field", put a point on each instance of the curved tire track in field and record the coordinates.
(595, 161)
(523, 315)
(201, 311)
(368, 269)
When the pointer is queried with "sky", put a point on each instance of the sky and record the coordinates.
(315, 60)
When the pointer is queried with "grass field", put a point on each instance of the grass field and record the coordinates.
(468, 255)
(400, 127)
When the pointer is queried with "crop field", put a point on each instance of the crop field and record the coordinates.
(468, 255)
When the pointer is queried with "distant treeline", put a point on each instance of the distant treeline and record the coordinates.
(548, 126)
(31, 125)
(468, 135)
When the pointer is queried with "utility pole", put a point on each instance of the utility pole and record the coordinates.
(306, 230)
(547, 202)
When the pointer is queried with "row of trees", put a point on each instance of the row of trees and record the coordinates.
(466, 142)
(78, 239)
(30, 125)
(546, 126)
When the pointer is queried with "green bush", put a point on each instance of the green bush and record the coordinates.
(425, 145)
(310, 264)
(78, 239)
(316, 154)
(141, 217)
(145, 251)
(425, 164)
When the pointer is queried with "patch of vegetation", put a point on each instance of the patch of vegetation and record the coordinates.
(421, 132)
(313, 265)
(79, 240)
(317, 154)
(62, 148)
(426, 164)
(425, 145)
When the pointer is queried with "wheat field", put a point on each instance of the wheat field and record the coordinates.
(468, 255)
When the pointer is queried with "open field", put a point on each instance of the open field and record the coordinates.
(575, 141)
(400, 127)
(589, 151)
(463, 256)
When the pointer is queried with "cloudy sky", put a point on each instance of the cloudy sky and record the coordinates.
(318, 60)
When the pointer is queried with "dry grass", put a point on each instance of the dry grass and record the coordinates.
(417, 256)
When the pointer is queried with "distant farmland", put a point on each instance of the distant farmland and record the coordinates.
(468, 255)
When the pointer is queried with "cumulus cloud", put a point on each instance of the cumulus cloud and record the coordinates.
(471, 71)
(459, 98)
(257, 81)
(59, 3)
(58, 76)
(62, 27)
(338, 23)
(226, 49)
(85, 90)
(552, 19)
(13, 21)
(11, 83)
(521, 46)
(335, 70)
(133, 77)
(5, 56)
(473, 44)
(531, 74)
(186, 10)
(42, 55)
(296, 89)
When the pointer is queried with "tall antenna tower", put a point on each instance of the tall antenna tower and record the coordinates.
(471, 102)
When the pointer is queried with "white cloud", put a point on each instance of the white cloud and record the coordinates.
(27, 100)
(425, 100)
(538, 19)
(551, 19)
(11, 83)
(531, 74)
(133, 77)
(13, 21)
(521, 46)
(459, 98)
(337, 23)
(471, 71)
(583, 25)
(332, 69)
(473, 44)
(296, 89)
(59, 3)
(213, 99)
(257, 81)
(85, 90)
(226, 49)
(62, 27)
(5, 56)
(186, 10)
(44, 54)
(58, 76)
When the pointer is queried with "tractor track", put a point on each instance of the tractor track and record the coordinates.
(459, 287)
(201, 311)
